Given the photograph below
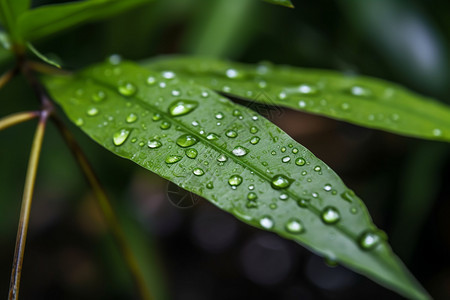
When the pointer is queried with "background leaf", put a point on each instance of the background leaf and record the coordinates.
(10, 10)
(46, 20)
(360, 100)
(286, 3)
(236, 159)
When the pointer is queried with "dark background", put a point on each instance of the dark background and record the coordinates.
(200, 252)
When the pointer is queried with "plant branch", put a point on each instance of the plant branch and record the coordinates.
(26, 207)
(17, 118)
(7, 76)
(106, 208)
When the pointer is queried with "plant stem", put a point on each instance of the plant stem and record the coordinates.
(17, 118)
(106, 208)
(6, 77)
(46, 69)
(26, 207)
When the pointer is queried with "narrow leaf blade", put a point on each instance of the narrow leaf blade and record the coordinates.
(286, 3)
(231, 156)
(10, 10)
(364, 101)
(47, 20)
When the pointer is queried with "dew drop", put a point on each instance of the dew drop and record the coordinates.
(301, 103)
(239, 151)
(437, 132)
(186, 140)
(345, 106)
(262, 84)
(317, 168)
(191, 153)
(330, 215)
(280, 182)
(127, 89)
(131, 118)
(198, 172)
(266, 222)
(327, 187)
(286, 159)
(98, 96)
(222, 158)
(205, 94)
(93, 111)
(295, 150)
(307, 89)
(168, 74)
(171, 159)
(254, 140)
(79, 122)
(156, 117)
(359, 91)
(182, 107)
(369, 240)
(282, 96)
(235, 180)
(120, 136)
(232, 73)
(253, 129)
(219, 116)
(348, 196)
(294, 226)
(300, 161)
(151, 80)
(212, 136)
(251, 187)
(165, 125)
(252, 196)
(176, 93)
(153, 144)
(210, 185)
(283, 197)
(231, 134)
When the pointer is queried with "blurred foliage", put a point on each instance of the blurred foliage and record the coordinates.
(402, 41)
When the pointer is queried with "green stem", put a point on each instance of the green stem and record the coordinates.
(17, 118)
(106, 208)
(6, 77)
(26, 207)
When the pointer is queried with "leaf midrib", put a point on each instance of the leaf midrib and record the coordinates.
(221, 150)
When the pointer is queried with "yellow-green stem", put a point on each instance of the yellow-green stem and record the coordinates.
(107, 210)
(17, 118)
(26, 207)
(6, 77)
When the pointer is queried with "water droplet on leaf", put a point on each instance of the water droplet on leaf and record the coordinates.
(171, 159)
(191, 153)
(330, 215)
(127, 89)
(198, 172)
(186, 140)
(120, 136)
(240, 151)
(182, 107)
(153, 144)
(280, 182)
(235, 180)
(294, 226)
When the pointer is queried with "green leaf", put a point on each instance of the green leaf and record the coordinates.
(231, 156)
(360, 100)
(286, 3)
(42, 56)
(10, 10)
(46, 20)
